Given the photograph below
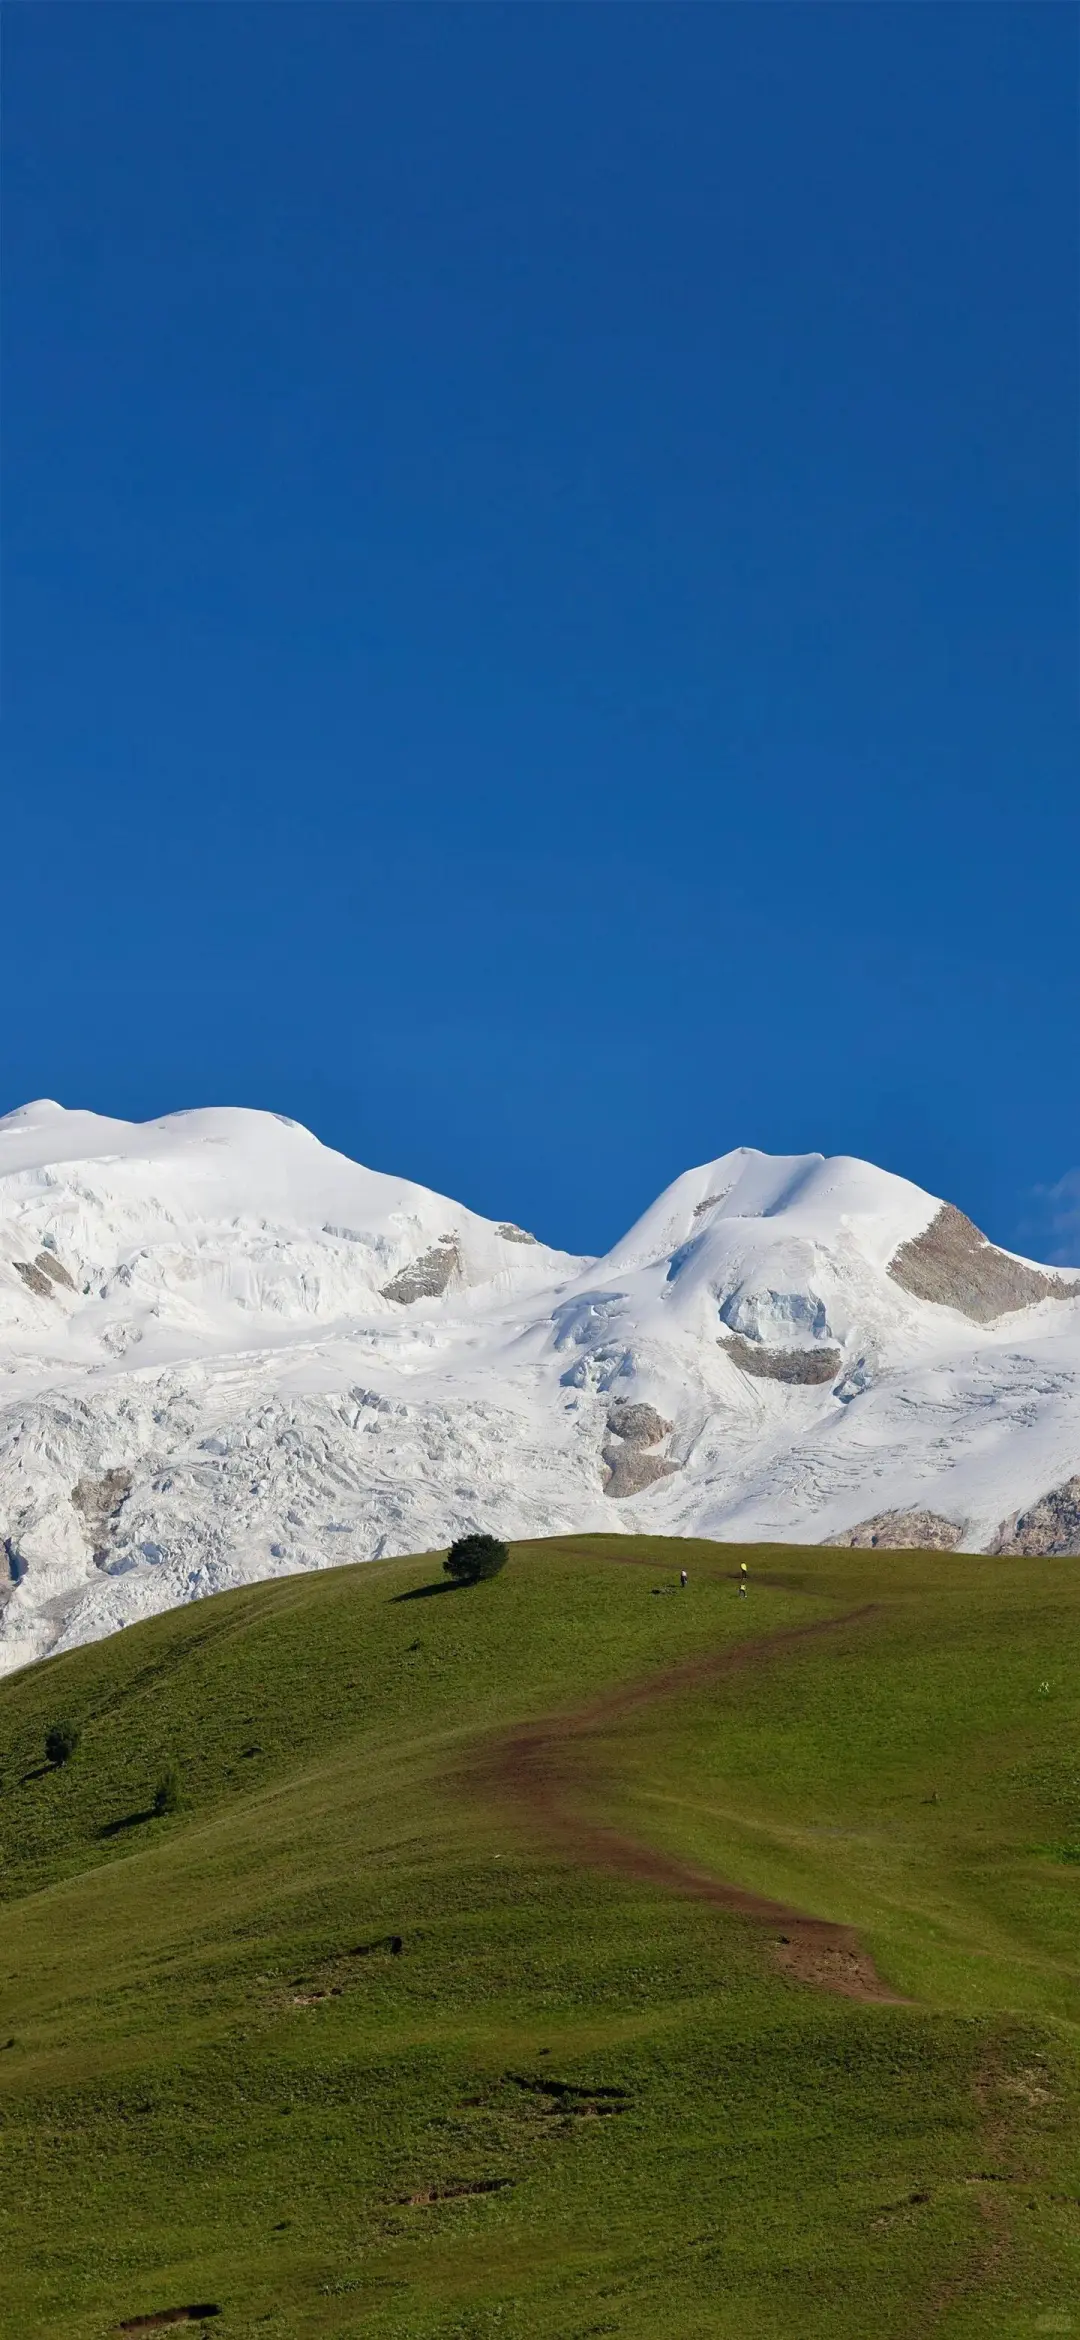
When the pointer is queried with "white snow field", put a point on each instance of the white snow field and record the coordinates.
(228, 1353)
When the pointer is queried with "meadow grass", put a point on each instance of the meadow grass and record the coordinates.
(348, 2045)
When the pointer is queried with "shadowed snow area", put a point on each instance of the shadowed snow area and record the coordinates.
(227, 1352)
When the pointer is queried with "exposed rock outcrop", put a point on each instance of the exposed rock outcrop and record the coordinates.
(512, 1234)
(33, 1278)
(426, 1278)
(51, 1266)
(1049, 1530)
(953, 1264)
(99, 1503)
(628, 1465)
(630, 1471)
(639, 1425)
(902, 1531)
(797, 1365)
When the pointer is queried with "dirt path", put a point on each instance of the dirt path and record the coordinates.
(529, 1766)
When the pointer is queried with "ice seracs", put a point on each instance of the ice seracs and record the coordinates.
(227, 1352)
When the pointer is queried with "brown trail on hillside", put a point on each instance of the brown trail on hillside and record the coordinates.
(528, 1766)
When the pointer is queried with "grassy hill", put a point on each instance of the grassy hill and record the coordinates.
(470, 1995)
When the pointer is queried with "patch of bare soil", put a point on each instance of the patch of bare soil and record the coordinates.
(429, 2195)
(952, 1263)
(531, 1765)
(332, 1977)
(506, 2125)
(176, 2315)
(1050, 1530)
(807, 1366)
(902, 1531)
(568, 2097)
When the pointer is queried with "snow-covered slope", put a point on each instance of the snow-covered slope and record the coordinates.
(227, 1352)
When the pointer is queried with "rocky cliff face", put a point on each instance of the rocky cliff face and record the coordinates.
(1049, 1529)
(954, 1266)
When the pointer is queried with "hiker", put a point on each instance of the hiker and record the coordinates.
(683, 1578)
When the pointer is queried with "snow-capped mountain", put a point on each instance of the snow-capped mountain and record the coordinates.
(227, 1352)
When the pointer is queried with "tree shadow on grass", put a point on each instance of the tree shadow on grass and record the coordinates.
(131, 1820)
(427, 1592)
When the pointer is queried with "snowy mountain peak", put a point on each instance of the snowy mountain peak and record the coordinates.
(809, 1193)
(227, 1351)
(207, 1230)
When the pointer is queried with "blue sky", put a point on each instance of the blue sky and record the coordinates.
(540, 620)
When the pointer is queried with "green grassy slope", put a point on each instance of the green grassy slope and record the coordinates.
(575, 2101)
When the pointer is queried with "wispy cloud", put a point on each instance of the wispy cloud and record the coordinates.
(1058, 1220)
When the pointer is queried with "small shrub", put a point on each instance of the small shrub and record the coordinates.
(60, 1742)
(169, 1793)
(474, 1558)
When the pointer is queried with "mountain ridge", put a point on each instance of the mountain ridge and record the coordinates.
(228, 1352)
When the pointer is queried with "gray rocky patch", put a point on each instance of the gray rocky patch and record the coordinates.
(1050, 1530)
(638, 1425)
(629, 1470)
(902, 1531)
(954, 1265)
(512, 1234)
(627, 1465)
(709, 1204)
(51, 1266)
(425, 1278)
(808, 1366)
(99, 1503)
(33, 1279)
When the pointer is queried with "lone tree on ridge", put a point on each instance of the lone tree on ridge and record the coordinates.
(473, 1558)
